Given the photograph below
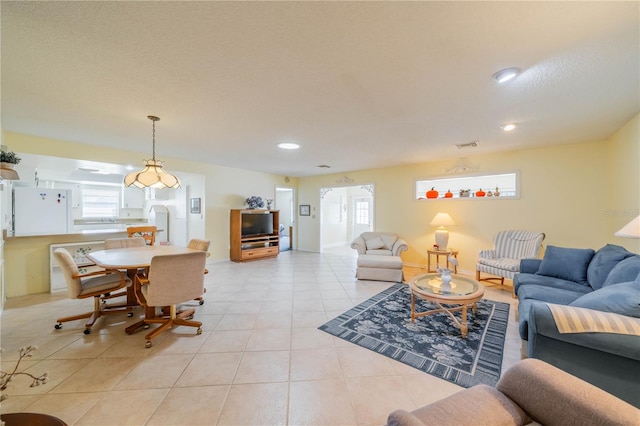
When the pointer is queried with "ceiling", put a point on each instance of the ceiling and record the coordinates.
(357, 84)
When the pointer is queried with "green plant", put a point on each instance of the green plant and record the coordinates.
(9, 157)
(5, 378)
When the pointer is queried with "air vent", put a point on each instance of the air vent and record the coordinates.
(472, 144)
(324, 166)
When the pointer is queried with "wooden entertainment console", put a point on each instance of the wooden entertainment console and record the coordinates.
(252, 247)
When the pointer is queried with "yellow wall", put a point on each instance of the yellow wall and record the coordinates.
(623, 170)
(567, 192)
(578, 194)
(226, 188)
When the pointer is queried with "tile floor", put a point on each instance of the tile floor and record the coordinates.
(259, 361)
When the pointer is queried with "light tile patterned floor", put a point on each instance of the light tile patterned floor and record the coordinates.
(259, 361)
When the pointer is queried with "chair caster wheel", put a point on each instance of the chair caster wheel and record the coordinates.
(130, 314)
(87, 331)
(58, 326)
(201, 302)
(199, 331)
(147, 344)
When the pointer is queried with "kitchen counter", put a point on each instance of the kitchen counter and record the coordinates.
(108, 233)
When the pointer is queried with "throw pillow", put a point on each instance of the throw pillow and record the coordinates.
(603, 262)
(375, 244)
(622, 298)
(625, 270)
(389, 240)
(566, 263)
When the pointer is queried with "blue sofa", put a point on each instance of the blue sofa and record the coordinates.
(590, 283)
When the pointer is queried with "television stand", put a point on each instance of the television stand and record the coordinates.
(252, 247)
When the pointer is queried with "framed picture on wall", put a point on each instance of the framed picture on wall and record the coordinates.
(305, 210)
(195, 205)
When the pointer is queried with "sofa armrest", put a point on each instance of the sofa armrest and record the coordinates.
(398, 247)
(606, 360)
(552, 396)
(464, 408)
(530, 266)
(542, 323)
(359, 245)
(488, 254)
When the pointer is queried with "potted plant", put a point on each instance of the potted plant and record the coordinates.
(9, 157)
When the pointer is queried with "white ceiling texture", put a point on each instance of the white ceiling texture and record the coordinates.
(357, 84)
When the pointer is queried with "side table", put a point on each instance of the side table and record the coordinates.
(437, 254)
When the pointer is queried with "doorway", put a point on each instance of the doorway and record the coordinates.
(345, 213)
(285, 203)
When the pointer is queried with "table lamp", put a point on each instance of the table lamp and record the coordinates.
(442, 235)
(630, 230)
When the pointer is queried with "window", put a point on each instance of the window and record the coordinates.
(504, 184)
(103, 202)
(362, 213)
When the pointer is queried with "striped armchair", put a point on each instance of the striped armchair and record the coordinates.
(509, 247)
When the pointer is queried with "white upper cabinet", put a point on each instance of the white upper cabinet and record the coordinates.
(132, 198)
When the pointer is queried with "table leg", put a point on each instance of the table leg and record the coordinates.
(413, 307)
(463, 324)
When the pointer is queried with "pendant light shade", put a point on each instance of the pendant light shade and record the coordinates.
(153, 175)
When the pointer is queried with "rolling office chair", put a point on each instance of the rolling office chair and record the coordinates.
(92, 284)
(172, 279)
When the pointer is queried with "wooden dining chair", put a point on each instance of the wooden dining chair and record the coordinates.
(146, 232)
(172, 279)
(92, 284)
(116, 243)
(202, 245)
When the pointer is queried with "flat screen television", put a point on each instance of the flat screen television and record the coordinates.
(257, 224)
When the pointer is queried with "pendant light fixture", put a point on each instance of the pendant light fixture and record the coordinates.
(152, 176)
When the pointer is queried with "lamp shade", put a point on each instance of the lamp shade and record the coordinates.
(152, 176)
(442, 219)
(631, 229)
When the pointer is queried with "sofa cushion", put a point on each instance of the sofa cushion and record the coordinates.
(524, 280)
(566, 263)
(603, 262)
(622, 298)
(389, 240)
(560, 296)
(626, 270)
(375, 244)
(512, 265)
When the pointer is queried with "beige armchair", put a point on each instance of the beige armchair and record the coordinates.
(379, 244)
(379, 256)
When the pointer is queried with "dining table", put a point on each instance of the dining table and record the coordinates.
(133, 259)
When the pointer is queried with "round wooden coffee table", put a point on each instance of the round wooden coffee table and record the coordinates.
(461, 291)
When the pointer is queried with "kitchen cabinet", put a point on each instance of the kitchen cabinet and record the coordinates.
(132, 198)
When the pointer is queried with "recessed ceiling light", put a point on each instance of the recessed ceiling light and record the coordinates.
(506, 74)
(509, 127)
(288, 145)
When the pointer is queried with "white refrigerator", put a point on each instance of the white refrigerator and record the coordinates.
(39, 211)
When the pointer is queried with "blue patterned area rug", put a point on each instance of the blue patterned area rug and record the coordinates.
(432, 344)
